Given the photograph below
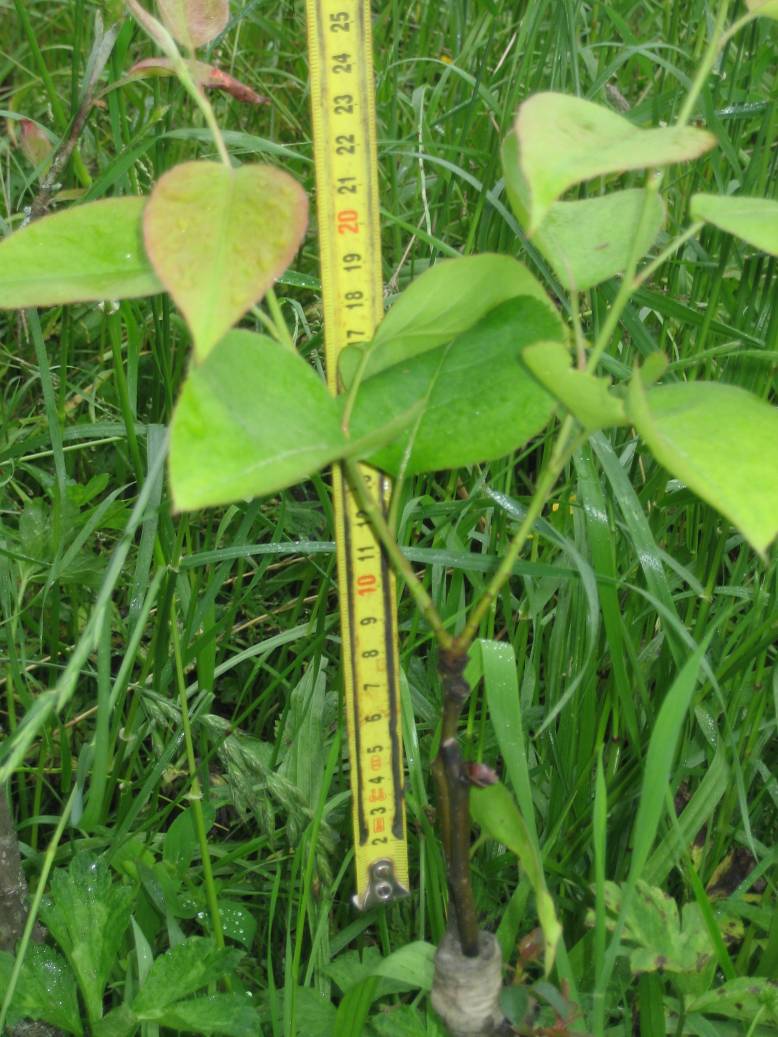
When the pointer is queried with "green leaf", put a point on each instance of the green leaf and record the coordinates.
(443, 302)
(746, 998)
(479, 402)
(663, 941)
(229, 1015)
(181, 971)
(566, 140)
(586, 397)
(194, 22)
(218, 238)
(46, 989)
(251, 420)
(766, 8)
(121, 1022)
(86, 253)
(495, 810)
(238, 922)
(87, 913)
(720, 441)
(590, 240)
(755, 220)
(413, 965)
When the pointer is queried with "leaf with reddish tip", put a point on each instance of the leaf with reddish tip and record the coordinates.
(218, 238)
(34, 143)
(194, 22)
(209, 77)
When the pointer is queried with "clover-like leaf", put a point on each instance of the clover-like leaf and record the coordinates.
(719, 440)
(565, 140)
(755, 220)
(218, 238)
(586, 396)
(194, 22)
(478, 401)
(252, 419)
(589, 240)
(86, 253)
(443, 302)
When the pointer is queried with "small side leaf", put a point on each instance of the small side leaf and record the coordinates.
(586, 241)
(567, 140)
(495, 810)
(84, 254)
(755, 220)
(443, 302)
(251, 420)
(218, 239)
(209, 77)
(766, 8)
(194, 22)
(479, 402)
(586, 397)
(746, 998)
(46, 989)
(720, 441)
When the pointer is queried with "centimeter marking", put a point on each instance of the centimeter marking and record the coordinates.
(343, 115)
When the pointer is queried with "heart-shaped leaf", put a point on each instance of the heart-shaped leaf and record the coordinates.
(194, 22)
(566, 140)
(218, 239)
(755, 220)
(479, 401)
(584, 395)
(444, 301)
(252, 419)
(767, 8)
(87, 253)
(590, 240)
(719, 440)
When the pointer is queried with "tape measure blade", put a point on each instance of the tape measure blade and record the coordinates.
(343, 116)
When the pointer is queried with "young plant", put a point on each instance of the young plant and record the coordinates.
(470, 363)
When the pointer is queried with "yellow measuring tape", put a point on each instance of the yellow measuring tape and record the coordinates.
(344, 139)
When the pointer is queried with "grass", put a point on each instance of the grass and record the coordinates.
(103, 593)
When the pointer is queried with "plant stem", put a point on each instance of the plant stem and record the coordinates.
(195, 794)
(717, 41)
(279, 324)
(565, 446)
(665, 254)
(400, 563)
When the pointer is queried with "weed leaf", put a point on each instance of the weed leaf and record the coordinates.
(479, 402)
(209, 77)
(229, 1015)
(251, 420)
(218, 239)
(84, 254)
(755, 220)
(443, 302)
(719, 440)
(566, 140)
(46, 989)
(748, 998)
(183, 970)
(194, 22)
(495, 810)
(87, 913)
(587, 397)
